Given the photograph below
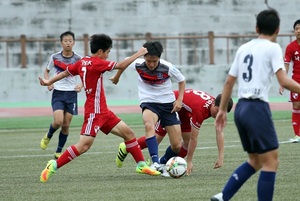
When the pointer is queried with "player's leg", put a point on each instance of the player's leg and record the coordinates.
(185, 144)
(70, 109)
(149, 119)
(266, 180)
(122, 130)
(58, 117)
(175, 138)
(63, 134)
(295, 117)
(85, 142)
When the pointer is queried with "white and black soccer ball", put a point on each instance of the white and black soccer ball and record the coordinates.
(176, 167)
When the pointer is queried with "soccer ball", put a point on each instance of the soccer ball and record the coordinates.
(176, 167)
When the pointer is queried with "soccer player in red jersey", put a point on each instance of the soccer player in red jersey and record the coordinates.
(97, 116)
(292, 57)
(197, 106)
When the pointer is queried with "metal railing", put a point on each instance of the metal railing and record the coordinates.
(26, 52)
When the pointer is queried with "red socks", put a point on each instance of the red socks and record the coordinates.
(296, 120)
(67, 156)
(142, 142)
(132, 147)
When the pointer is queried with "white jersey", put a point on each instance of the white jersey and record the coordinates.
(254, 65)
(66, 84)
(156, 86)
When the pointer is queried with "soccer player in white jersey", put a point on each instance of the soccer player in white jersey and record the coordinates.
(254, 66)
(157, 100)
(64, 95)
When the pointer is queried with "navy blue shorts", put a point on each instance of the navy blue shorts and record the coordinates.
(163, 111)
(254, 122)
(65, 100)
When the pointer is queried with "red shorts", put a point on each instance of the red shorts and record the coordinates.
(95, 122)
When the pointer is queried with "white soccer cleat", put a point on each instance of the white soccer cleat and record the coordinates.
(217, 197)
(156, 166)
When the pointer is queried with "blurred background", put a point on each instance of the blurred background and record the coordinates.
(200, 37)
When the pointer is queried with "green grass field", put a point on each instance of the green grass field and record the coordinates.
(94, 175)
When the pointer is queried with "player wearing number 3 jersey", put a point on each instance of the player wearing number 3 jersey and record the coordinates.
(254, 67)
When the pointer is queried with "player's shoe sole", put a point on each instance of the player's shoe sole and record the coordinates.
(44, 142)
(122, 153)
(143, 168)
(50, 168)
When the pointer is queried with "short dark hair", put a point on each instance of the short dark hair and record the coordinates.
(154, 48)
(66, 34)
(297, 22)
(100, 41)
(218, 101)
(268, 22)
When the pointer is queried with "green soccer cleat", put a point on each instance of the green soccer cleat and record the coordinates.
(44, 142)
(143, 168)
(122, 153)
(48, 171)
(57, 155)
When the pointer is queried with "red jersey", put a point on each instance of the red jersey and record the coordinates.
(196, 107)
(292, 54)
(93, 69)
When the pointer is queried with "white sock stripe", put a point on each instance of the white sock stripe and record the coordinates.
(70, 150)
(130, 145)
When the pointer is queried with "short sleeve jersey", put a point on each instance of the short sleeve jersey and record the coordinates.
(196, 104)
(155, 86)
(91, 70)
(292, 54)
(254, 65)
(56, 62)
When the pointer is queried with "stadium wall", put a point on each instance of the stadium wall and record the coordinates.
(21, 85)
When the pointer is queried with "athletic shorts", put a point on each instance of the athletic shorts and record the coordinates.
(185, 119)
(255, 126)
(295, 97)
(163, 111)
(65, 100)
(95, 122)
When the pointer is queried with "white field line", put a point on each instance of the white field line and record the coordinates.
(106, 152)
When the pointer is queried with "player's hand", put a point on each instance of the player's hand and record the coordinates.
(281, 89)
(177, 105)
(78, 88)
(218, 164)
(43, 82)
(114, 80)
(50, 88)
(143, 51)
(189, 169)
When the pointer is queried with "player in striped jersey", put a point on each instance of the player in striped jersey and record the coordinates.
(64, 92)
(157, 99)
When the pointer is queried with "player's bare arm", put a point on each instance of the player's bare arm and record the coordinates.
(177, 105)
(220, 143)
(59, 76)
(287, 66)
